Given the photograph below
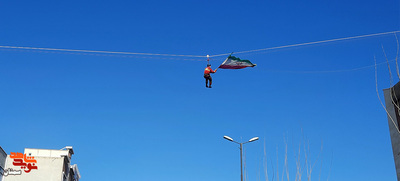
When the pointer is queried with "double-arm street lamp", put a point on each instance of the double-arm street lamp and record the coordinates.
(241, 152)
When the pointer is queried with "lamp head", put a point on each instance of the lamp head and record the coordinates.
(228, 138)
(253, 139)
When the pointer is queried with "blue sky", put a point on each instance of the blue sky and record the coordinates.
(151, 118)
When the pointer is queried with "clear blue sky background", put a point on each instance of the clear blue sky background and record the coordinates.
(151, 118)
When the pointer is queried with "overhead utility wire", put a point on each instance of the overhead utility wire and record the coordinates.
(309, 43)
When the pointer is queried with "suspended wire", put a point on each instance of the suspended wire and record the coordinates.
(111, 55)
(199, 57)
(309, 43)
(329, 71)
(196, 56)
(99, 51)
(196, 59)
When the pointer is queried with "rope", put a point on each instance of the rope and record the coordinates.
(392, 88)
(309, 43)
(397, 55)
(390, 71)
(398, 76)
(380, 100)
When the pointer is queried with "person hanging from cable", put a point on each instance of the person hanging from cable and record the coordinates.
(207, 72)
(207, 75)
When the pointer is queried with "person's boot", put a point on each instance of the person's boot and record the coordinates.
(209, 86)
(206, 85)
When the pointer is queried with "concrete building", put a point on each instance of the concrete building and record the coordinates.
(392, 100)
(41, 165)
(3, 157)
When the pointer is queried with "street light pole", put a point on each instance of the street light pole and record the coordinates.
(241, 152)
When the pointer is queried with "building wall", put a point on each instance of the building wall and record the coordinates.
(3, 157)
(49, 169)
(52, 165)
(394, 133)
